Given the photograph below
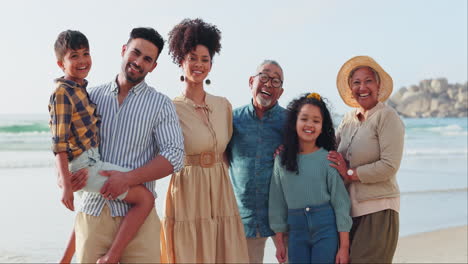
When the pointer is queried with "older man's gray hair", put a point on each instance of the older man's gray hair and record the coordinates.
(265, 62)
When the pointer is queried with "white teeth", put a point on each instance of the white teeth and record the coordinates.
(134, 68)
(198, 72)
(82, 68)
(308, 131)
(267, 93)
(364, 95)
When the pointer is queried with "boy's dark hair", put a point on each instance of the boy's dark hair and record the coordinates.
(148, 34)
(69, 39)
(326, 139)
(189, 33)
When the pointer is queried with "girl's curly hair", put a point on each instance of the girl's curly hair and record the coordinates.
(326, 139)
(189, 33)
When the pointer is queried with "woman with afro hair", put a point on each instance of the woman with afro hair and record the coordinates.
(202, 222)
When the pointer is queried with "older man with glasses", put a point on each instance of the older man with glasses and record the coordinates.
(258, 131)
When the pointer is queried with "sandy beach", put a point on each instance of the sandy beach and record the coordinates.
(440, 246)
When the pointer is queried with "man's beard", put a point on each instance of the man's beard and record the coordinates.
(130, 78)
(263, 102)
(134, 79)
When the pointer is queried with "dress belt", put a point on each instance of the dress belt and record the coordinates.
(205, 159)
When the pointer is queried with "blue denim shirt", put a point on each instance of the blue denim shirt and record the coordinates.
(251, 151)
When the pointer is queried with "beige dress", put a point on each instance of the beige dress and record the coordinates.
(202, 222)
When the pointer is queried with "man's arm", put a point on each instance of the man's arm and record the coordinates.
(119, 182)
(170, 142)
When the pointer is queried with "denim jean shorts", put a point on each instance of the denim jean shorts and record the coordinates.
(91, 160)
(313, 236)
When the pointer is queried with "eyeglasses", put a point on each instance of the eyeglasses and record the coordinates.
(264, 78)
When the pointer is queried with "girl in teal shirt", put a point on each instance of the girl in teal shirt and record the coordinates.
(307, 196)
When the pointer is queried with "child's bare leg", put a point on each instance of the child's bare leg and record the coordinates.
(142, 201)
(70, 250)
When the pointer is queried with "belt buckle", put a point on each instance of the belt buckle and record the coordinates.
(207, 159)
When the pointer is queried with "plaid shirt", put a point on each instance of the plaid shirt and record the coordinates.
(73, 120)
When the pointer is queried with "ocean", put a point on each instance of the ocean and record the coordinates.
(34, 226)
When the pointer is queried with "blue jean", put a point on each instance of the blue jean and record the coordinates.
(313, 237)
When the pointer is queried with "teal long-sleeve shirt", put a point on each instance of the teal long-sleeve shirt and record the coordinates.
(317, 183)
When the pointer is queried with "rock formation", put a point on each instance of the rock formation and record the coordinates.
(432, 98)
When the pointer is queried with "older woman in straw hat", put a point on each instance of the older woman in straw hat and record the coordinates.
(370, 149)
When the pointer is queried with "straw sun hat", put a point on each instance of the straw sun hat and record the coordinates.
(386, 82)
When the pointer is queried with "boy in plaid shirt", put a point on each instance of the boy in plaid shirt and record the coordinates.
(74, 125)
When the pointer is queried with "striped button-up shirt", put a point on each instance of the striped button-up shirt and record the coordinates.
(132, 134)
(73, 121)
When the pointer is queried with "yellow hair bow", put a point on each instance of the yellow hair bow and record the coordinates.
(315, 95)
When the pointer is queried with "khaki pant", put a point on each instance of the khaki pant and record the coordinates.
(256, 247)
(374, 237)
(95, 234)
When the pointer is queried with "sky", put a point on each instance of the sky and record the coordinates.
(412, 40)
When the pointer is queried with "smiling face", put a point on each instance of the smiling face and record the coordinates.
(265, 95)
(365, 87)
(139, 58)
(197, 64)
(309, 125)
(76, 64)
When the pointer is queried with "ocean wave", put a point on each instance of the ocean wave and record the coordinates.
(23, 134)
(455, 133)
(447, 130)
(453, 190)
(435, 151)
(25, 140)
(24, 127)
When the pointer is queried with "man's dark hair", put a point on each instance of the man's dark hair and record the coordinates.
(148, 34)
(69, 39)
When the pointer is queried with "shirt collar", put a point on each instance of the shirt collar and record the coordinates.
(188, 101)
(267, 113)
(135, 89)
(72, 83)
(369, 113)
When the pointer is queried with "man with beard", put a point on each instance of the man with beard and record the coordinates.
(257, 133)
(140, 130)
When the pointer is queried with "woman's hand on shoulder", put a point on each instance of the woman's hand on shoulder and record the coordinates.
(278, 150)
(339, 163)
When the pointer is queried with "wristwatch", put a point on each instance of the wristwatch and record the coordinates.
(350, 172)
